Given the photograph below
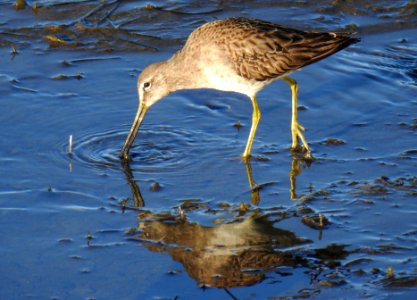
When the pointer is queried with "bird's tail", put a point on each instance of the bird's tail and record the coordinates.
(317, 46)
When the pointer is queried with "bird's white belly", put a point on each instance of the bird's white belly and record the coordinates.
(222, 77)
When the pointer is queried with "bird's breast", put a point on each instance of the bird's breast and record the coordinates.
(219, 73)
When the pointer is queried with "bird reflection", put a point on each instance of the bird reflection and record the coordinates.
(296, 166)
(134, 187)
(232, 254)
(252, 184)
(237, 251)
(295, 170)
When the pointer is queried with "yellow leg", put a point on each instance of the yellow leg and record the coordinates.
(256, 116)
(296, 128)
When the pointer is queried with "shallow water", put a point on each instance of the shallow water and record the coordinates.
(187, 219)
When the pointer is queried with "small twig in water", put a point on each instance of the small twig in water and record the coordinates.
(14, 51)
(70, 145)
(20, 4)
(182, 213)
(390, 272)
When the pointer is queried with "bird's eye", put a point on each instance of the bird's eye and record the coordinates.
(146, 85)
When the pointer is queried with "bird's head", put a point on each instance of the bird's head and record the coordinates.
(153, 85)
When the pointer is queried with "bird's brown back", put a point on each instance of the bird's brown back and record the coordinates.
(261, 50)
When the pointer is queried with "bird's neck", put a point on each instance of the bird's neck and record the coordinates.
(182, 73)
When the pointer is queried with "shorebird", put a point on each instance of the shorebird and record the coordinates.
(239, 55)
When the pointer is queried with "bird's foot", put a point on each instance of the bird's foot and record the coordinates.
(301, 152)
(245, 158)
(298, 133)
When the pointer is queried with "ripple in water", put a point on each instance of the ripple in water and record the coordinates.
(162, 148)
(99, 150)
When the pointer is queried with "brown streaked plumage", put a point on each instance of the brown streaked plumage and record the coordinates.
(241, 55)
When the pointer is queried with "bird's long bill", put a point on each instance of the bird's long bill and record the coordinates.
(134, 130)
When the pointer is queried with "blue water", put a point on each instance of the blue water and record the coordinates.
(187, 218)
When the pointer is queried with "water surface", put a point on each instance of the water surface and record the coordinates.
(187, 219)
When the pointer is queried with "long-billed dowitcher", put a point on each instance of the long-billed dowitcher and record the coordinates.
(240, 55)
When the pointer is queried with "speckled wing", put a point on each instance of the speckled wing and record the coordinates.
(261, 50)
